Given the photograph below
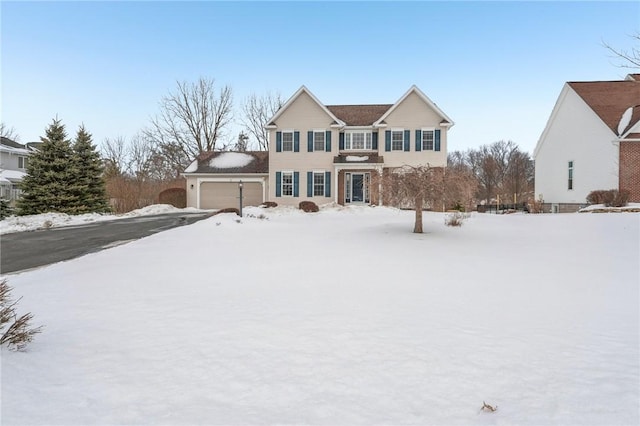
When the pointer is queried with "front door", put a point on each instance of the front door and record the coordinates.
(357, 187)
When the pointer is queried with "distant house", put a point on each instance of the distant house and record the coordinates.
(591, 141)
(328, 153)
(14, 158)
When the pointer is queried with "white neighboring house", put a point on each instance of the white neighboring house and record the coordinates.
(14, 158)
(587, 145)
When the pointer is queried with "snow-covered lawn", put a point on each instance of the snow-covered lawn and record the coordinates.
(54, 220)
(337, 318)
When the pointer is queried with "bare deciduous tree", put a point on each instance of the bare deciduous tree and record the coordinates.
(9, 132)
(630, 59)
(194, 118)
(257, 110)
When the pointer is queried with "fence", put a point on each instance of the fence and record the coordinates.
(494, 208)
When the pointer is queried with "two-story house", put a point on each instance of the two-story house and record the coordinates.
(14, 158)
(327, 153)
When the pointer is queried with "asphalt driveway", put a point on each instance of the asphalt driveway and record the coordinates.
(25, 250)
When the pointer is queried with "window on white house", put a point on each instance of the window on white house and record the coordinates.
(357, 140)
(570, 183)
(318, 141)
(397, 140)
(287, 184)
(318, 184)
(287, 141)
(22, 162)
(427, 140)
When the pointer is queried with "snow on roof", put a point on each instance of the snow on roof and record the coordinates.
(357, 157)
(192, 167)
(11, 175)
(230, 160)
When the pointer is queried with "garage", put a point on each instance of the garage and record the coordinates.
(220, 195)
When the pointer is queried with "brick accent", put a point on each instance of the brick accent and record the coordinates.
(630, 169)
(373, 188)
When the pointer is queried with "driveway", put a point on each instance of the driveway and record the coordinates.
(25, 250)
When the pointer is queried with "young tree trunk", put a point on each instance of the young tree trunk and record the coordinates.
(417, 228)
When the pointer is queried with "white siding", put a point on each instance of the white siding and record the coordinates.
(574, 133)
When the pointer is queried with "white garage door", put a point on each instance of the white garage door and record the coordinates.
(220, 195)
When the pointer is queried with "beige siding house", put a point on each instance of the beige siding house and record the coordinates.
(324, 153)
(329, 153)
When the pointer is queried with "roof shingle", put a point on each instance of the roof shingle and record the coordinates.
(359, 115)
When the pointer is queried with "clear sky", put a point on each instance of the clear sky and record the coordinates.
(495, 68)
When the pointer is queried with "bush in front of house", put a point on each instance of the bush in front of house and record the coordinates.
(269, 204)
(610, 198)
(227, 210)
(308, 207)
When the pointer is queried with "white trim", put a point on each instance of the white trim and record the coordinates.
(424, 97)
(200, 181)
(301, 90)
(427, 129)
(324, 136)
(313, 182)
(293, 183)
(364, 142)
(293, 140)
(402, 133)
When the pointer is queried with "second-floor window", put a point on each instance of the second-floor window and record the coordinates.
(427, 140)
(397, 140)
(357, 140)
(22, 162)
(318, 140)
(287, 141)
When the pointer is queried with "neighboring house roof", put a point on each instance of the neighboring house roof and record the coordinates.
(359, 115)
(11, 146)
(610, 99)
(13, 176)
(225, 162)
(10, 143)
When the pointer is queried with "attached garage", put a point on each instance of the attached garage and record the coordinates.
(213, 179)
(220, 195)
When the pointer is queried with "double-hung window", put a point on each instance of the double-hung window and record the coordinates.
(22, 162)
(427, 139)
(318, 184)
(319, 140)
(287, 141)
(357, 141)
(287, 183)
(570, 183)
(397, 140)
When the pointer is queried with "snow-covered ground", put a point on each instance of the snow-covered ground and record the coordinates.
(54, 220)
(337, 318)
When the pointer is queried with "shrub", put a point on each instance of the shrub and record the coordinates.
(610, 198)
(308, 206)
(455, 219)
(16, 332)
(176, 197)
(228, 210)
(269, 204)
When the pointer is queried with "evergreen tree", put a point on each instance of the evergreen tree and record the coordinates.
(46, 187)
(88, 186)
(5, 208)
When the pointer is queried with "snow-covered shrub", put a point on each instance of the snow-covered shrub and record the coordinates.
(308, 206)
(620, 198)
(455, 219)
(269, 204)
(16, 332)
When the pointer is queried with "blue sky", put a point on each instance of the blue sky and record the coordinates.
(496, 68)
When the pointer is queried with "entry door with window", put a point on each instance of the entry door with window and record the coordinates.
(357, 187)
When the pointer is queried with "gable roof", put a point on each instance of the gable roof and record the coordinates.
(259, 164)
(295, 96)
(359, 115)
(610, 99)
(446, 121)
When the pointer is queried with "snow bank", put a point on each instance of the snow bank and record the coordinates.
(632, 207)
(230, 160)
(55, 220)
(339, 317)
